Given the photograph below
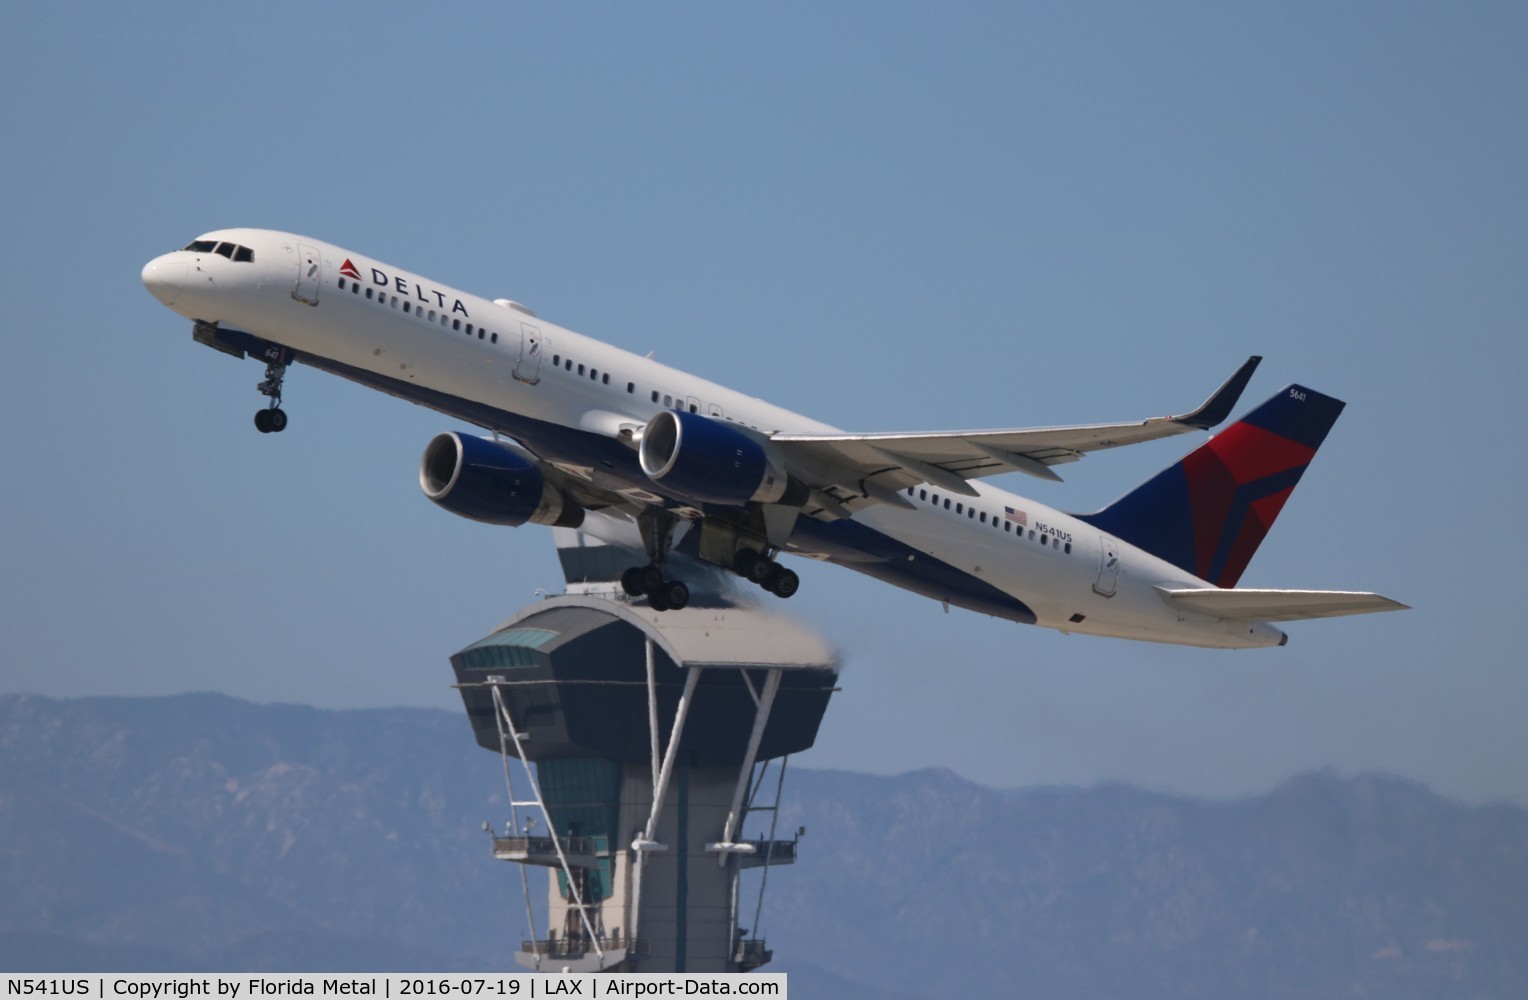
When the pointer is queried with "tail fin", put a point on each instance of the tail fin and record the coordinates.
(1209, 513)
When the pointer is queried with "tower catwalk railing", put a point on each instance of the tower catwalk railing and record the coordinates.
(507, 726)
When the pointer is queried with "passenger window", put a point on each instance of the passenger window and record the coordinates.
(655, 395)
(960, 508)
(1044, 539)
(984, 517)
(456, 324)
(594, 375)
(692, 408)
(493, 338)
(946, 503)
(342, 284)
(368, 293)
(406, 305)
(605, 378)
(394, 301)
(631, 387)
(668, 400)
(923, 494)
(580, 369)
(355, 289)
(1068, 548)
(480, 332)
(432, 315)
(1007, 525)
(469, 329)
(971, 513)
(557, 361)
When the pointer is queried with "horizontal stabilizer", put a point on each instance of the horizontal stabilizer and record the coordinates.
(1279, 605)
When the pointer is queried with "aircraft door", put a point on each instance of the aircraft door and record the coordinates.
(1108, 566)
(310, 272)
(532, 347)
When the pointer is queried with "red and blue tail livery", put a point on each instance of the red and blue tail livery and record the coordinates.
(1208, 513)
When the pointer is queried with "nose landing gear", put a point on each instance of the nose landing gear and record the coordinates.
(272, 419)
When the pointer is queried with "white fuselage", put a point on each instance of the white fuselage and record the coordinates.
(1069, 574)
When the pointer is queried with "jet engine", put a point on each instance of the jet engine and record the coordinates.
(704, 459)
(493, 482)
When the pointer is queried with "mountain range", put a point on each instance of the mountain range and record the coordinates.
(204, 833)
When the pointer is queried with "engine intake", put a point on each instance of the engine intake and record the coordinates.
(704, 459)
(492, 482)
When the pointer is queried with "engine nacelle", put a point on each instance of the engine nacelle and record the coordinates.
(711, 461)
(493, 482)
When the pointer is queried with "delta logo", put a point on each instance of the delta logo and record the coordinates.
(403, 286)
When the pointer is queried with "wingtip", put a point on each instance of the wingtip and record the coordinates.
(1222, 400)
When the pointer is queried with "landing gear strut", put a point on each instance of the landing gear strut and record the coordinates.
(273, 418)
(657, 526)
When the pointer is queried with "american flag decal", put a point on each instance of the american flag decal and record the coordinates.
(1016, 516)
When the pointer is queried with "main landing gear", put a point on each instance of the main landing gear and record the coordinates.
(657, 526)
(754, 567)
(662, 595)
(272, 419)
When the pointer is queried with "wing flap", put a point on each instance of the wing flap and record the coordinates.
(1278, 605)
(898, 460)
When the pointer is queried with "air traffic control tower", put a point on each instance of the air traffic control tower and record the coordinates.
(646, 740)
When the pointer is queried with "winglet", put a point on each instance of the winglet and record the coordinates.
(1219, 405)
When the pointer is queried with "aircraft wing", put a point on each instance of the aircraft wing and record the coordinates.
(1279, 605)
(875, 466)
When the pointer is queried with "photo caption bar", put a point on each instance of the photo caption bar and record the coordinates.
(392, 986)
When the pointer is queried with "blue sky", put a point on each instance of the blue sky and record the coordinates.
(887, 216)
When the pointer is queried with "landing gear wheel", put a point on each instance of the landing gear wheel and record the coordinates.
(263, 421)
(675, 594)
(753, 566)
(631, 582)
(651, 578)
(658, 600)
(783, 582)
(277, 420)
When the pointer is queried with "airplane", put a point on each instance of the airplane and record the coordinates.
(577, 425)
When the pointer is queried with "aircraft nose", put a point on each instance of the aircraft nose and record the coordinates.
(165, 276)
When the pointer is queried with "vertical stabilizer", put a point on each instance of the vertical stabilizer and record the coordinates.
(1208, 513)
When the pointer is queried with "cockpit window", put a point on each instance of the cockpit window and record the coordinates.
(233, 251)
